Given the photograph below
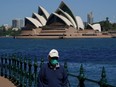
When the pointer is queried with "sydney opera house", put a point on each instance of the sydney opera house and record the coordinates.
(60, 24)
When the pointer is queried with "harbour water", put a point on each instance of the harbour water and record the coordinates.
(92, 53)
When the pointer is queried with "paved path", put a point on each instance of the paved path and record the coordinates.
(6, 83)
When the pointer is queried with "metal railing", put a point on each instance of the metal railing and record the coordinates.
(23, 72)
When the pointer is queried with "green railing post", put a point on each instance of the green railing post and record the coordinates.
(30, 74)
(21, 72)
(15, 69)
(25, 72)
(103, 80)
(66, 68)
(11, 72)
(18, 70)
(2, 62)
(42, 62)
(9, 67)
(4, 70)
(35, 72)
(81, 77)
(5, 66)
(25, 65)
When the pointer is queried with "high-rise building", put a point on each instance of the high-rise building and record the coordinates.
(17, 23)
(90, 18)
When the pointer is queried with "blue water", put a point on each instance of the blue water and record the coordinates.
(92, 53)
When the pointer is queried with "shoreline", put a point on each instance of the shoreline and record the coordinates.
(58, 37)
(65, 37)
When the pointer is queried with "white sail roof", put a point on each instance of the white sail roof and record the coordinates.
(68, 17)
(63, 19)
(44, 11)
(34, 21)
(65, 8)
(95, 27)
(79, 22)
(41, 19)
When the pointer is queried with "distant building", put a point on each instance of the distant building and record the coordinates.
(90, 18)
(17, 23)
(6, 26)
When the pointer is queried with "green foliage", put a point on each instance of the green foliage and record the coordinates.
(114, 26)
(10, 32)
(106, 25)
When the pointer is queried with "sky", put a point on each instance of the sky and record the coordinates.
(11, 9)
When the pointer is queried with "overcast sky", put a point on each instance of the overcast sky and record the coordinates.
(11, 9)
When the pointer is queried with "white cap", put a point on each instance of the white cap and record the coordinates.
(53, 53)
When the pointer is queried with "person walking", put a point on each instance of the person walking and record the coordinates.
(52, 74)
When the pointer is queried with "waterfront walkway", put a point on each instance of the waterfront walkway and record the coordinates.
(6, 83)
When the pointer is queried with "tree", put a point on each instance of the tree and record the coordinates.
(106, 25)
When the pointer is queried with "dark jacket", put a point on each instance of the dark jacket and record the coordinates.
(50, 77)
